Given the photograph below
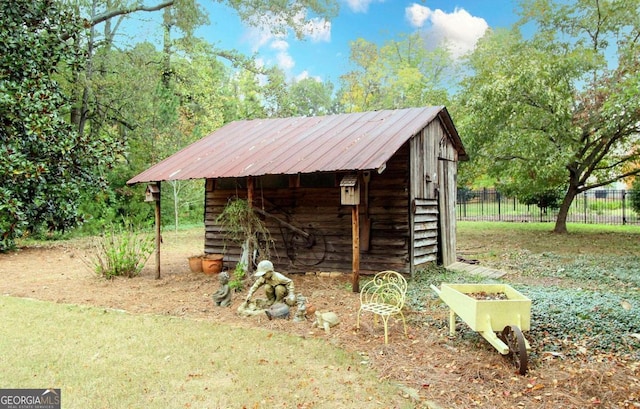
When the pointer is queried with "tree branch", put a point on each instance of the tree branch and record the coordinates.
(621, 161)
(128, 10)
(634, 172)
(239, 60)
(512, 157)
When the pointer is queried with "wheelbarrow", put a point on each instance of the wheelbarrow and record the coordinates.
(497, 311)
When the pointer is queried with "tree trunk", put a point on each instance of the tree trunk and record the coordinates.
(561, 220)
(166, 49)
(176, 185)
(79, 114)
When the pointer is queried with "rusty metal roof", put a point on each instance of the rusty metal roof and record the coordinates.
(357, 141)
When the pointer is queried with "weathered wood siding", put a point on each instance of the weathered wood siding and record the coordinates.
(424, 167)
(424, 195)
(318, 210)
(447, 182)
(425, 231)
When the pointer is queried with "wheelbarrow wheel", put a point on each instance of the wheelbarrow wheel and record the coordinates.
(512, 336)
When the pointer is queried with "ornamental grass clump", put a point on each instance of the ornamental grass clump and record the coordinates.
(120, 251)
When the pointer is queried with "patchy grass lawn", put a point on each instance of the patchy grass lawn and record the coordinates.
(106, 358)
(491, 240)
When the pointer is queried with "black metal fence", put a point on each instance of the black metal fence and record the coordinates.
(594, 206)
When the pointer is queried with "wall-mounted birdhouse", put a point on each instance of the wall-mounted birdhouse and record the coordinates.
(350, 190)
(153, 193)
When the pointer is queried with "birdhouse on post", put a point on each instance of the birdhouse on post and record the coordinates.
(350, 190)
(153, 193)
(350, 195)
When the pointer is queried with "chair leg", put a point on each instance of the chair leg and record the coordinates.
(358, 319)
(404, 324)
(385, 319)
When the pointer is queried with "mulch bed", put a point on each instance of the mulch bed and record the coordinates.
(433, 369)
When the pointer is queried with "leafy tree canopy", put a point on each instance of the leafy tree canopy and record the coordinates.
(401, 73)
(275, 15)
(561, 109)
(44, 163)
(302, 97)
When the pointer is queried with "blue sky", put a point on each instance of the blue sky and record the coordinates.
(324, 52)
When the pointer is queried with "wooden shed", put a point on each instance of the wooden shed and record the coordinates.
(377, 186)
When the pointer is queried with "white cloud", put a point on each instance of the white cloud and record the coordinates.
(258, 38)
(273, 46)
(285, 61)
(280, 45)
(283, 58)
(459, 31)
(360, 6)
(417, 14)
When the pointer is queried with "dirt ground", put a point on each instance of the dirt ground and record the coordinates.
(436, 371)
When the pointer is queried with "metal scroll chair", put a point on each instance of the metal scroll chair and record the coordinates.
(384, 296)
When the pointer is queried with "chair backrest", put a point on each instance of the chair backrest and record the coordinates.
(386, 287)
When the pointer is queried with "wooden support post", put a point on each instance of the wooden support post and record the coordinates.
(158, 234)
(355, 233)
(250, 192)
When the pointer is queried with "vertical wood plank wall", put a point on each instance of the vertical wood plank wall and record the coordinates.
(423, 195)
(318, 210)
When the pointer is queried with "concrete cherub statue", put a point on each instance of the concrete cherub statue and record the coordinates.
(222, 296)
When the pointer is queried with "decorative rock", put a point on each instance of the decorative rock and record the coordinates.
(278, 310)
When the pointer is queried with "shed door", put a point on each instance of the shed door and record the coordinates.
(423, 195)
(447, 182)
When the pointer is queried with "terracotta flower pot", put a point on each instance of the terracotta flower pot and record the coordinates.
(195, 264)
(212, 263)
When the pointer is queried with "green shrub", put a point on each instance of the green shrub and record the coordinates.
(237, 282)
(548, 199)
(120, 251)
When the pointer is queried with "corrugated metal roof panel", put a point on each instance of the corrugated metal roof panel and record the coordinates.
(358, 141)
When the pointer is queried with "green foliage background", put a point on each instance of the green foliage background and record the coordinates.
(44, 163)
(82, 110)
